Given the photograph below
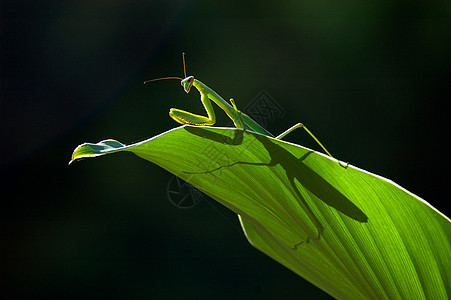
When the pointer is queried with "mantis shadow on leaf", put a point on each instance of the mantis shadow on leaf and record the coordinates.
(294, 169)
(217, 137)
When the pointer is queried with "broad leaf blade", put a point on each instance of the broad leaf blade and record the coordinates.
(351, 233)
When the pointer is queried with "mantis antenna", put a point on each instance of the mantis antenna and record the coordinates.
(163, 78)
(171, 77)
(184, 67)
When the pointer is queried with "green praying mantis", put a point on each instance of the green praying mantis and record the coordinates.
(240, 119)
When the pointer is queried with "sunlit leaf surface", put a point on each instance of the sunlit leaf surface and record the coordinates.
(353, 234)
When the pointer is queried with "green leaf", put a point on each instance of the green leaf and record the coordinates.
(353, 234)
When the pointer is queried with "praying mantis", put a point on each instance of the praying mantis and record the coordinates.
(240, 119)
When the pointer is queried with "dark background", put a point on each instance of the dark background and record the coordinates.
(370, 79)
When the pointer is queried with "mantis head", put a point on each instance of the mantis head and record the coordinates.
(187, 83)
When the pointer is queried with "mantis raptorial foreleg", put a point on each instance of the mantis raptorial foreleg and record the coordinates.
(184, 117)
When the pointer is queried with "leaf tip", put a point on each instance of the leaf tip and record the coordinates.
(93, 150)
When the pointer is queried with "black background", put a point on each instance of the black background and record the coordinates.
(370, 79)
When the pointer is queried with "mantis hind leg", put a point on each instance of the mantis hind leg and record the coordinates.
(300, 125)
